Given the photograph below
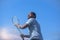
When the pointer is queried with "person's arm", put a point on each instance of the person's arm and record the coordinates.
(27, 36)
(22, 27)
(29, 22)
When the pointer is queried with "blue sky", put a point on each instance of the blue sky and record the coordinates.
(47, 11)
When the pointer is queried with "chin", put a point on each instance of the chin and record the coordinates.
(29, 18)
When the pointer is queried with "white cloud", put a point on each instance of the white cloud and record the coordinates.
(5, 35)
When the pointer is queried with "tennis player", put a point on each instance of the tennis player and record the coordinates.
(33, 26)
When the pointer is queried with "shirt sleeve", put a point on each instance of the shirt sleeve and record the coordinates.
(30, 21)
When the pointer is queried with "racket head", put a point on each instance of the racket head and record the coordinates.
(15, 20)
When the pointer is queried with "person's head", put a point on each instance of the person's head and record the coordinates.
(31, 15)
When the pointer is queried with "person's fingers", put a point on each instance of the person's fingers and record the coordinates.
(22, 35)
(16, 25)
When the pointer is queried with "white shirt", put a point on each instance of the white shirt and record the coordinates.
(34, 29)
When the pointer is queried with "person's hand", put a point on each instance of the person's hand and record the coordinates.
(17, 25)
(22, 35)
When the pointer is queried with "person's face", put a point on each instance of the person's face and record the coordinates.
(30, 15)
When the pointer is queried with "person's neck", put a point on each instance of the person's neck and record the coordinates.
(31, 17)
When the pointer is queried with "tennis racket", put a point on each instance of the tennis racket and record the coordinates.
(15, 20)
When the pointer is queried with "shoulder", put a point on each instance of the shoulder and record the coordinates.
(31, 20)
